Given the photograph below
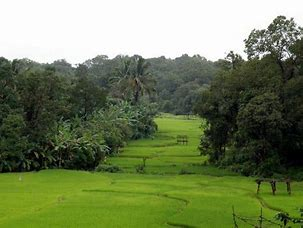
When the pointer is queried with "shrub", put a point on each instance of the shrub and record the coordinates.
(184, 172)
(108, 168)
(78, 146)
(140, 168)
(122, 121)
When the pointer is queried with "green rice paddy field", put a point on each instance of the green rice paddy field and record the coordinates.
(176, 190)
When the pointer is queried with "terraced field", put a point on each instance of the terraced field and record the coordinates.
(164, 155)
(177, 189)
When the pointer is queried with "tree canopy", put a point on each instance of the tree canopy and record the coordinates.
(254, 110)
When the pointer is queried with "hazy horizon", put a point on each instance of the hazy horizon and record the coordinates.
(45, 31)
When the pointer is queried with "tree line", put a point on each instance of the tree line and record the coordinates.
(254, 108)
(180, 81)
(59, 116)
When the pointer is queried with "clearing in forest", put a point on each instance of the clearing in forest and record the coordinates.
(176, 188)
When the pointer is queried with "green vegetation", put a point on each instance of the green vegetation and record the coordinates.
(179, 81)
(65, 198)
(141, 171)
(163, 154)
(48, 120)
(254, 108)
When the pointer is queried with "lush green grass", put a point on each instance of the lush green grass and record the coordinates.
(159, 198)
(164, 155)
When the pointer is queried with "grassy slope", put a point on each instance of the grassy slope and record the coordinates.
(61, 198)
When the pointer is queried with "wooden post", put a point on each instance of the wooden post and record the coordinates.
(144, 161)
(273, 187)
(273, 184)
(258, 183)
(261, 219)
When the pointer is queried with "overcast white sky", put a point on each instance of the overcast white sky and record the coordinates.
(46, 30)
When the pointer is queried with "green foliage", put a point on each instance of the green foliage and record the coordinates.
(78, 146)
(122, 121)
(108, 168)
(63, 68)
(140, 168)
(253, 109)
(13, 145)
(278, 41)
(56, 116)
(260, 125)
(41, 97)
(185, 172)
(86, 97)
(180, 81)
(114, 123)
(134, 79)
(8, 95)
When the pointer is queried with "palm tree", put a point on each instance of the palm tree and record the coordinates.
(134, 76)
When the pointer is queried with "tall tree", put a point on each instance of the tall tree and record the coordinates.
(276, 41)
(41, 93)
(135, 76)
(254, 110)
(86, 95)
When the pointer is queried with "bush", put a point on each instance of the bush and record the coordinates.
(140, 168)
(78, 146)
(108, 168)
(122, 121)
(184, 172)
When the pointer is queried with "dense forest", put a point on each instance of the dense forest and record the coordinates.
(57, 116)
(254, 108)
(179, 81)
